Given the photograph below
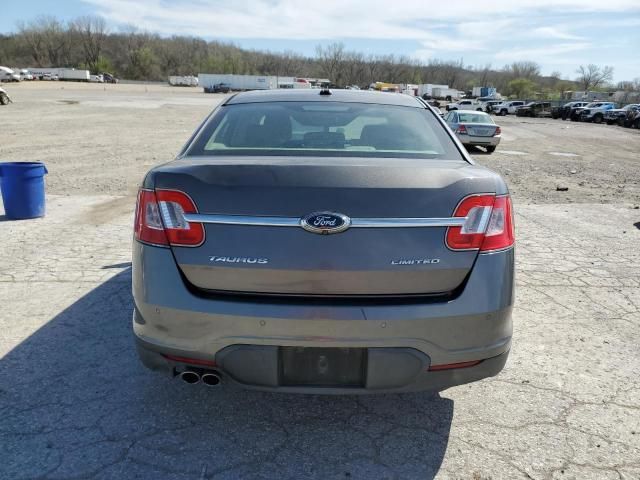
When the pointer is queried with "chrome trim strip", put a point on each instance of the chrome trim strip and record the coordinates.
(296, 222)
(406, 222)
(243, 220)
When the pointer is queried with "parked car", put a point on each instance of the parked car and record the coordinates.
(218, 88)
(242, 275)
(565, 110)
(474, 128)
(96, 79)
(507, 107)
(487, 105)
(534, 109)
(5, 99)
(620, 115)
(109, 78)
(465, 105)
(25, 75)
(594, 112)
(633, 119)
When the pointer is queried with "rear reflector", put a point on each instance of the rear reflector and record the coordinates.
(451, 366)
(160, 219)
(488, 224)
(190, 361)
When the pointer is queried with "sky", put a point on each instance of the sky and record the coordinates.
(559, 35)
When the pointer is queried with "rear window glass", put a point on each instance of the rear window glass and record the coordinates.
(324, 129)
(464, 117)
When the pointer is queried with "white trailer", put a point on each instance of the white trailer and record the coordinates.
(183, 81)
(68, 74)
(427, 88)
(445, 93)
(293, 82)
(238, 82)
(74, 75)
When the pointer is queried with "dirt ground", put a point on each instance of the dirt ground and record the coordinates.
(101, 139)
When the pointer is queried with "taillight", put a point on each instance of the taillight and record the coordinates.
(461, 129)
(160, 219)
(497, 132)
(488, 224)
(148, 225)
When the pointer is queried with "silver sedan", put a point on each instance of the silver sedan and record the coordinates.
(474, 128)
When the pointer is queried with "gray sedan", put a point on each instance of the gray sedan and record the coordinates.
(323, 241)
(474, 128)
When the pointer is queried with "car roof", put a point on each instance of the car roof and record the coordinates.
(313, 95)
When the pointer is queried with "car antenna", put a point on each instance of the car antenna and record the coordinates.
(325, 91)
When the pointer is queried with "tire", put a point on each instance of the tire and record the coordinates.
(597, 118)
(490, 149)
(620, 122)
(4, 100)
(504, 112)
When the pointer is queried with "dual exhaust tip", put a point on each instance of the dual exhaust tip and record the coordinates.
(209, 378)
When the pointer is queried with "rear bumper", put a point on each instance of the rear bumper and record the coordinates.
(390, 370)
(482, 141)
(169, 319)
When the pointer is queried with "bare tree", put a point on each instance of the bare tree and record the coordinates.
(34, 41)
(330, 58)
(524, 69)
(592, 76)
(91, 32)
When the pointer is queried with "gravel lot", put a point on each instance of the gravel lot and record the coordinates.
(75, 403)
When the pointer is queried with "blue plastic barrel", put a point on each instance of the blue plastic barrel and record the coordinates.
(22, 185)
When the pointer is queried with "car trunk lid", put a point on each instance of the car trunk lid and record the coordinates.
(481, 129)
(252, 208)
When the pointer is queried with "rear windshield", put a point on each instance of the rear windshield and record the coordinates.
(464, 117)
(331, 129)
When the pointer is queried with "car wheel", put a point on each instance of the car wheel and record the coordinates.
(4, 100)
(620, 122)
(490, 149)
(597, 118)
(503, 112)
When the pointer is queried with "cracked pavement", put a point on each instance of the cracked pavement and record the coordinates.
(76, 403)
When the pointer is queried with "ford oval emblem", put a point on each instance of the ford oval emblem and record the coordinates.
(325, 222)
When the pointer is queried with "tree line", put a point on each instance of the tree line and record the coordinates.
(86, 42)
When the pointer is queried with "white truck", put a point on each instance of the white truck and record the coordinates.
(8, 75)
(507, 108)
(465, 105)
(426, 89)
(183, 81)
(445, 93)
